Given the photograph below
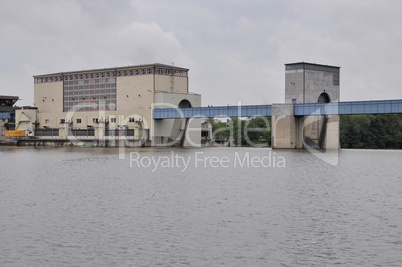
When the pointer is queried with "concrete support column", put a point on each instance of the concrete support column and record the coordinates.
(285, 127)
(332, 137)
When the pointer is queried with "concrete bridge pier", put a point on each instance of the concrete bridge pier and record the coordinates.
(289, 131)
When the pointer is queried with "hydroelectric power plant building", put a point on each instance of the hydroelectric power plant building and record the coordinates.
(107, 105)
(137, 105)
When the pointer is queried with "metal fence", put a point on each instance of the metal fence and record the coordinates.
(119, 132)
(81, 132)
(46, 132)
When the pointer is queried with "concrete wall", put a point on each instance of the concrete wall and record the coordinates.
(164, 83)
(317, 82)
(294, 85)
(134, 92)
(306, 86)
(167, 130)
(332, 139)
(48, 97)
(286, 130)
(86, 117)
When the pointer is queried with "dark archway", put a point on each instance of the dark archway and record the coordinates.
(324, 98)
(184, 122)
(322, 132)
(184, 104)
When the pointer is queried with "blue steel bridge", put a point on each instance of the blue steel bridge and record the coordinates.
(335, 108)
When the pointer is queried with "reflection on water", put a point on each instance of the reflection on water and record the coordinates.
(85, 207)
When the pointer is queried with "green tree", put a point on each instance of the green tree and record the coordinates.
(381, 131)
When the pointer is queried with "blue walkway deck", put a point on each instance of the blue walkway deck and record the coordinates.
(340, 108)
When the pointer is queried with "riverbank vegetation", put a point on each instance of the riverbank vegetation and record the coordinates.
(380, 131)
(367, 131)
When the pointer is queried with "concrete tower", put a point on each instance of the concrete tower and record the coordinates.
(307, 83)
(311, 83)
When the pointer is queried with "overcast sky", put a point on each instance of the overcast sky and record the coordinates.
(235, 50)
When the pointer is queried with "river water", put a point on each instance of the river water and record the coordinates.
(74, 206)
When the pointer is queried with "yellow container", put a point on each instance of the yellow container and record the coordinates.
(15, 133)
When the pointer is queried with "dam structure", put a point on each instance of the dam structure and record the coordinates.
(151, 105)
(309, 118)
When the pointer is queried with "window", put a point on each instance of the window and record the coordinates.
(95, 120)
(131, 120)
(47, 121)
(113, 120)
(78, 120)
(82, 88)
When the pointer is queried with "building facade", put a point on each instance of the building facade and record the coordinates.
(103, 104)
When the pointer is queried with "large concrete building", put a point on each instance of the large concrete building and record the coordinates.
(307, 83)
(106, 104)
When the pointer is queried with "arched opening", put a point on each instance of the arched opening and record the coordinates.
(322, 123)
(184, 104)
(324, 98)
(183, 122)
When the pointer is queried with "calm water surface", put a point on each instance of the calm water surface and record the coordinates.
(87, 207)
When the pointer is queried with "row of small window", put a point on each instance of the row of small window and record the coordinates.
(89, 86)
(68, 109)
(89, 75)
(134, 72)
(171, 72)
(49, 79)
(90, 81)
(335, 78)
(150, 71)
(88, 78)
(312, 67)
(80, 98)
(294, 67)
(112, 120)
(90, 92)
(90, 102)
(94, 107)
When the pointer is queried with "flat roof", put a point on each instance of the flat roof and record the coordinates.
(302, 62)
(7, 102)
(113, 69)
(26, 107)
(9, 97)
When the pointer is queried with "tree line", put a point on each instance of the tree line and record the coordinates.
(380, 131)
(368, 131)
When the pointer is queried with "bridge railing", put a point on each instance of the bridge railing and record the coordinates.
(213, 112)
(349, 108)
(337, 108)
